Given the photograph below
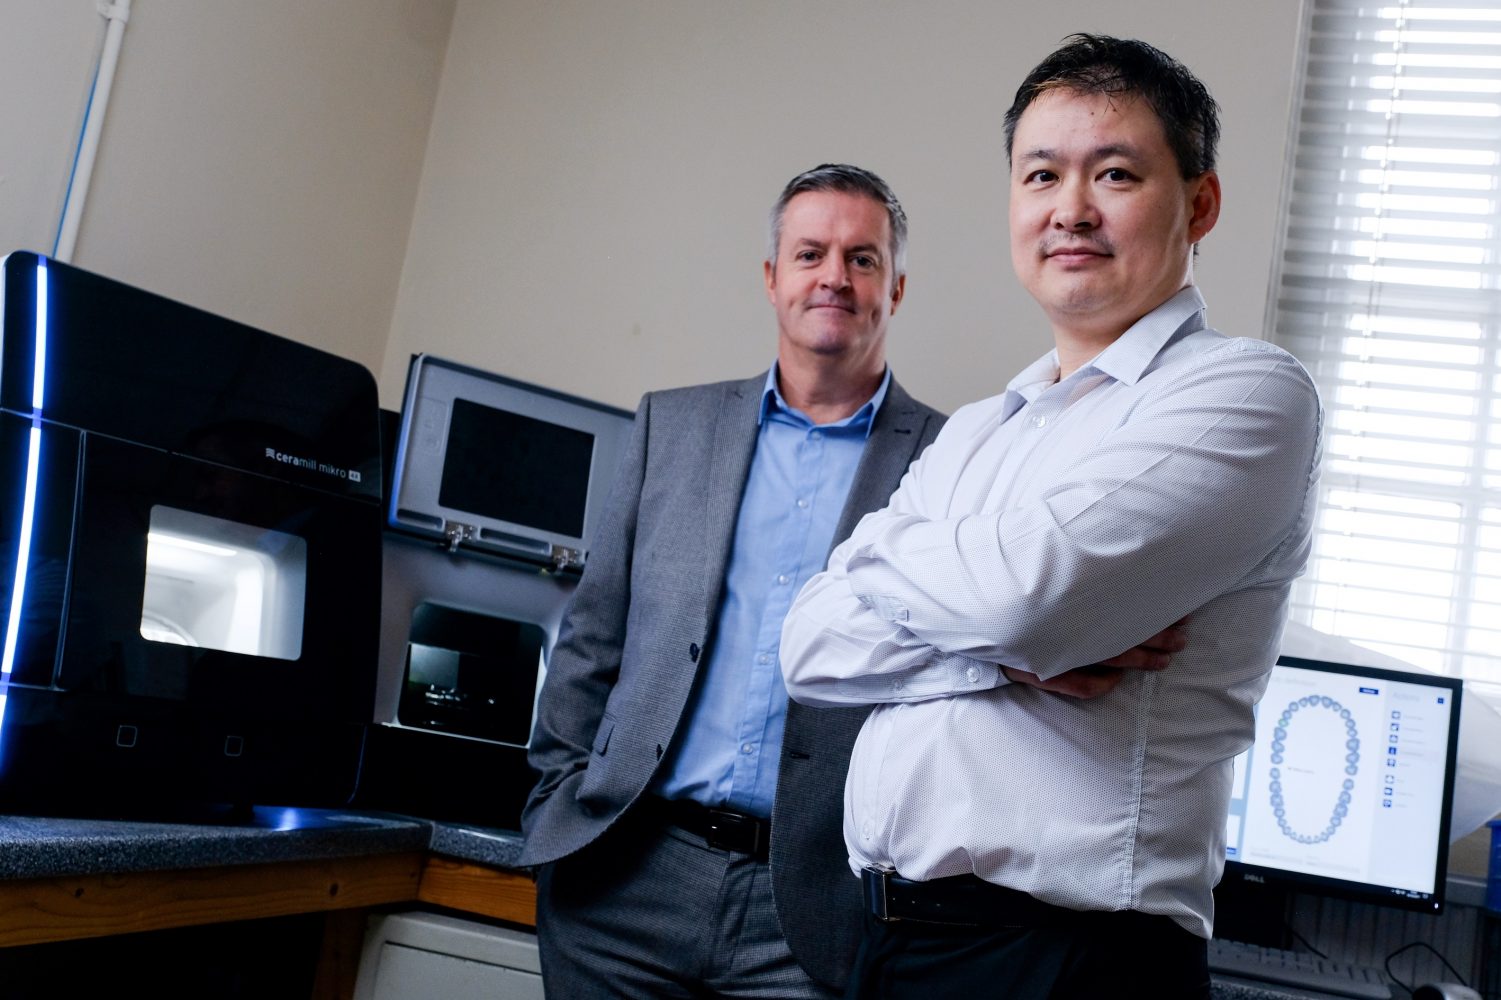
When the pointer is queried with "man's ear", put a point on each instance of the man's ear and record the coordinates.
(1204, 192)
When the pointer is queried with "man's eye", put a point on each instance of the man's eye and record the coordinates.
(863, 260)
(1117, 174)
(1042, 177)
(806, 255)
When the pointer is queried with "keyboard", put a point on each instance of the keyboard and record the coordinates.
(1300, 969)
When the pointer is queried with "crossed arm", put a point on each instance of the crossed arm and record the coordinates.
(1176, 506)
(1097, 679)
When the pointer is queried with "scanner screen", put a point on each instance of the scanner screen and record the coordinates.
(515, 468)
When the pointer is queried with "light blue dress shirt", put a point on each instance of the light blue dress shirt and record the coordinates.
(729, 747)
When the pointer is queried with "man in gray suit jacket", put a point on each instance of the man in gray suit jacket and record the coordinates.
(687, 819)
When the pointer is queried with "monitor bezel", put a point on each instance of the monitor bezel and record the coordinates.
(1365, 892)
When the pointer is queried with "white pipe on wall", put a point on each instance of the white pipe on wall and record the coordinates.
(117, 12)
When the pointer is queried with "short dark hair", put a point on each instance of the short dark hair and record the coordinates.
(849, 180)
(1100, 64)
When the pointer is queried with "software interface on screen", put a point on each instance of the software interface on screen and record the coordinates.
(1346, 778)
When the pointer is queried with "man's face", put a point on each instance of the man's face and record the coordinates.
(1102, 222)
(832, 281)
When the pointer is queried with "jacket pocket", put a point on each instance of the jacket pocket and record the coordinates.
(603, 734)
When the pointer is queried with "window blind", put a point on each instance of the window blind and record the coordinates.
(1388, 289)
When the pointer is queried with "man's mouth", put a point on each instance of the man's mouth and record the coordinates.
(1072, 251)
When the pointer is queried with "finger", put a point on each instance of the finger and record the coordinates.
(1085, 682)
(1140, 658)
(1173, 639)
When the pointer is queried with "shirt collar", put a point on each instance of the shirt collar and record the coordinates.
(1133, 352)
(1127, 359)
(771, 399)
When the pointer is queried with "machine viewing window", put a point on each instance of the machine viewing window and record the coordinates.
(223, 585)
(472, 674)
(516, 468)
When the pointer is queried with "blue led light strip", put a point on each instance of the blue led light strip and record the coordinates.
(39, 366)
(28, 503)
(23, 557)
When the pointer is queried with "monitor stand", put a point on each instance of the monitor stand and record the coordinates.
(1255, 914)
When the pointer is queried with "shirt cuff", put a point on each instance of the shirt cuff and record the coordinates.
(944, 675)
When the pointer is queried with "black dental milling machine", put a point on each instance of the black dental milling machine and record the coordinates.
(190, 549)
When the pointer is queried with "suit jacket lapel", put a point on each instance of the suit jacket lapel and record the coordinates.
(892, 447)
(735, 433)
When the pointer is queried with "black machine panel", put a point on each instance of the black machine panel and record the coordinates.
(190, 557)
(143, 368)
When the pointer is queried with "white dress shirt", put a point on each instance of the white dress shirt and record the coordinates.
(1055, 526)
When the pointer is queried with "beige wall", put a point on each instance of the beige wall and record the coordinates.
(46, 53)
(259, 160)
(591, 213)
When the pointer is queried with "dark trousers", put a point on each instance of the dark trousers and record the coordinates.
(1100, 955)
(652, 913)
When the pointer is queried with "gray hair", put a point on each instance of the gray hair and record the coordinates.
(848, 180)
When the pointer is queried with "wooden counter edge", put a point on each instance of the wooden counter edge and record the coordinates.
(474, 888)
(35, 911)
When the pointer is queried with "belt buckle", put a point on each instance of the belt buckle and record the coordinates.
(730, 831)
(876, 880)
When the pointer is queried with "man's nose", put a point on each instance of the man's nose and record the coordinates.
(1075, 210)
(835, 272)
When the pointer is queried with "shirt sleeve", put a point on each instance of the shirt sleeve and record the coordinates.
(838, 650)
(1183, 501)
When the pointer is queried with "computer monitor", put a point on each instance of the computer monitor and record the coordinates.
(1347, 787)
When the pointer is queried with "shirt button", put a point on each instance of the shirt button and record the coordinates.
(1039, 421)
(972, 675)
(896, 685)
(782, 578)
(816, 435)
(802, 504)
(766, 658)
(746, 748)
(867, 829)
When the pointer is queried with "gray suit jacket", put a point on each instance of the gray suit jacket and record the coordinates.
(637, 630)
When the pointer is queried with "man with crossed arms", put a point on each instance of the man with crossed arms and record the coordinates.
(1148, 469)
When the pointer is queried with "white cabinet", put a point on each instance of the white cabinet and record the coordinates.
(428, 955)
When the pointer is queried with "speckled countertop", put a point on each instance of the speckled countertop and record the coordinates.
(482, 845)
(43, 847)
(46, 847)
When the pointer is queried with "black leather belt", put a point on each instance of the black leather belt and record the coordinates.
(959, 899)
(723, 829)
